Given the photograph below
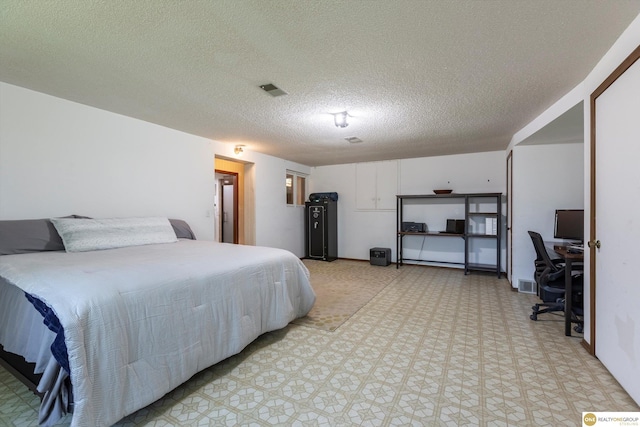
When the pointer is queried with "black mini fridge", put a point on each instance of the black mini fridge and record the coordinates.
(321, 225)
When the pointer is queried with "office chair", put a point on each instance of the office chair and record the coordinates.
(549, 275)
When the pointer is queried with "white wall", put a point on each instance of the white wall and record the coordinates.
(545, 178)
(463, 173)
(360, 230)
(58, 158)
(277, 224)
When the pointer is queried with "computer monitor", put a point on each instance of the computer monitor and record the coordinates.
(569, 224)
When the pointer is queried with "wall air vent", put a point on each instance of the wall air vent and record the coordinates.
(353, 139)
(527, 286)
(272, 89)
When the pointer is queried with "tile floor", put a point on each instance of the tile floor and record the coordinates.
(433, 348)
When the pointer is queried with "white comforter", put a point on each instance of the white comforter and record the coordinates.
(140, 321)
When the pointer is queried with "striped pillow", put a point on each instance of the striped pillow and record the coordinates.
(81, 235)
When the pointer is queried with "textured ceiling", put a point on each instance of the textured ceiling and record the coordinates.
(419, 78)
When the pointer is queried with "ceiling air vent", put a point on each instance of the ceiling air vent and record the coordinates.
(353, 139)
(272, 89)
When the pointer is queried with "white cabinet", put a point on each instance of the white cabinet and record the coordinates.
(377, 185)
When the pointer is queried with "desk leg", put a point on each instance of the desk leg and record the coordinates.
(568, 286)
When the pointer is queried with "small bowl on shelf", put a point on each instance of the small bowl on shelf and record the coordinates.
(442, 191)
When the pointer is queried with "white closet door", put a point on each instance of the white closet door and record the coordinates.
(366, 192)
(617, 340)
(387, 184)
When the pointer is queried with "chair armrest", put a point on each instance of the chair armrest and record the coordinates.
(548, 276)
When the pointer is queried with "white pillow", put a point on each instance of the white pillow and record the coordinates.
(80, 235)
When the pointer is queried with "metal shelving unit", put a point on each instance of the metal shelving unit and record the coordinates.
(480, 208)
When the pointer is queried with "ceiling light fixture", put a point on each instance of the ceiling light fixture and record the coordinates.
(239, 150)
(340, 119)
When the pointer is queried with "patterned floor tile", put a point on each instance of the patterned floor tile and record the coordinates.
(433, 348)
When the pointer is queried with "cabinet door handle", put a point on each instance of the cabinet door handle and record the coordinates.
(594, 243)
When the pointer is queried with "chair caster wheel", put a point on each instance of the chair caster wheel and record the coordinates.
(533, 317)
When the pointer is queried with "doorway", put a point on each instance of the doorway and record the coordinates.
(509, 262)
(244, 216)
(228, 211)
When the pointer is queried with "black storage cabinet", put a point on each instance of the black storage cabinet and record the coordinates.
(321, 229)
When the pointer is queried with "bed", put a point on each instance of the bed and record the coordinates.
(126, 325)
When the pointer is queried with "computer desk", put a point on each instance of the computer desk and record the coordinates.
(569, 259)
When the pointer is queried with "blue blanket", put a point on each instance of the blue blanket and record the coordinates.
(58, 348)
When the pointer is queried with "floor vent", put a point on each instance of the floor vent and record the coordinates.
(527, 286)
